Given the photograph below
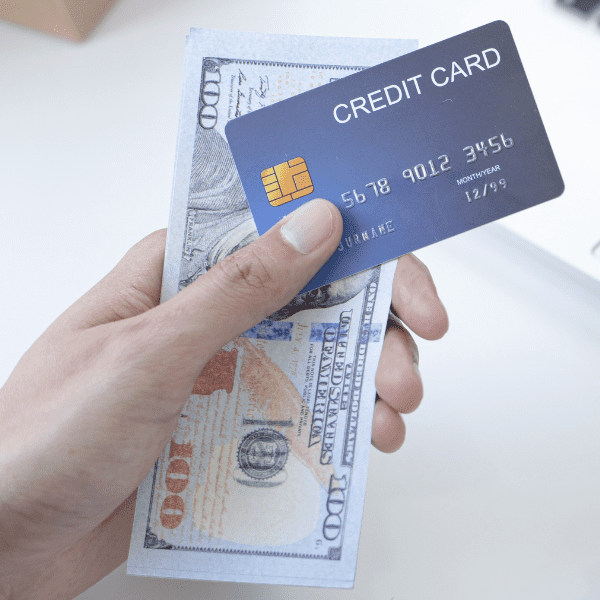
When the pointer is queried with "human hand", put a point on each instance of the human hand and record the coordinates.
(93, 403)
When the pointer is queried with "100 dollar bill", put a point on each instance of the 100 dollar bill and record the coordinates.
(264, 477)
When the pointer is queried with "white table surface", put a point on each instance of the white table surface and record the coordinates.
(496, 492)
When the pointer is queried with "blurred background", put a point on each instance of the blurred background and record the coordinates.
(496, 491)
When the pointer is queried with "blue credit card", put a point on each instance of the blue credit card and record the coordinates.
(412, 151)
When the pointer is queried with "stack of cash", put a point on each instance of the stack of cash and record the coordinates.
(264, 477)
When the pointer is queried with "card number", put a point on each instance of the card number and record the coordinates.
(381, 188)
(494, 146)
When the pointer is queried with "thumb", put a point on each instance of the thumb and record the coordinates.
(252, 283)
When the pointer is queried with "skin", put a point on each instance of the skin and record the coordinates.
(92, 404)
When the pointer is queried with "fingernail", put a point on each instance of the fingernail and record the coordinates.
(309, 226)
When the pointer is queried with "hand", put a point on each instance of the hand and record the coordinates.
(92, 404)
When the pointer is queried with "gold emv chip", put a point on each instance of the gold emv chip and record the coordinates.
(287, 181)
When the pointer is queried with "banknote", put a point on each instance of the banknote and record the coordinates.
(264, 477)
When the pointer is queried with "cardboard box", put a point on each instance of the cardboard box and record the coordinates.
(71, 19)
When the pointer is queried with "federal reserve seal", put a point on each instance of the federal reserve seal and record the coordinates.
(262, 454)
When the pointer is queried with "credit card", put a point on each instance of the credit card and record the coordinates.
(412, 151)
